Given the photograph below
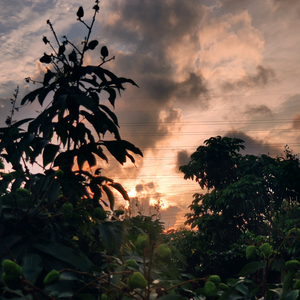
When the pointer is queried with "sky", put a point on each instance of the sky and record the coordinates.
(204, 68)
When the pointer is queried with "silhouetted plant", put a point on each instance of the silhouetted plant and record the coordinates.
(57, 238)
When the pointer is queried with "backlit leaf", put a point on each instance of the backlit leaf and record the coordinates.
(110, 196)
(49, 153)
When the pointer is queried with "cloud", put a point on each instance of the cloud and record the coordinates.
(296, 121)
(170, 216)
(254, 146)
(147, 201)
(182, 158)
(258, 110)
(262, 77)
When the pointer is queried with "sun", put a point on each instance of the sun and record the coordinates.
(132, 193)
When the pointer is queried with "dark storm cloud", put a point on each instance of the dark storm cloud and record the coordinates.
(150, 24)
(144, 34)
(191, 88)
(254, 146)
(258, 110)
(152, 28)
(182, 158)
(262, 77)
(150, 127)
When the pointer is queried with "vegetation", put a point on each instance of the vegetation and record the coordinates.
(61, 237)
(60, 234)
(245, 192)
(250, 212)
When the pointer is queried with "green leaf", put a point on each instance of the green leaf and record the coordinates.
(85, 297)
(242, 289)
(59, 290)
(68, 276)
(32, 266)
(49, 154)
(111, 236)
(292, 295)
(68, 255)
(252, 267)
(171, 297)
(54, 190)
(9, 241)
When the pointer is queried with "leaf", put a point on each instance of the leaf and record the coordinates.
(111, 235)
(54, 190)
(112, 95)
(110, 113)
(242, 289)
(85, 297)
(292, 295)
(65, 158)
(46, 59)
(59, 290)
(61, 49)
(120, 189)
(252, 267)
(80, 12)
(32, 267)
(47, 77)
(31, 96)
(38, 144)
(93, 44)
(9, 241)
(86, 101)
(68, 255)
(118, 150)
(101, 122)
(49, 154)
(73, 56)
(110, 196)
(181, 258)
(123, 80)
(104, 51)
(131, 147)
(171, 297)
(46, 90)
(96, 7)
(21, 122)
